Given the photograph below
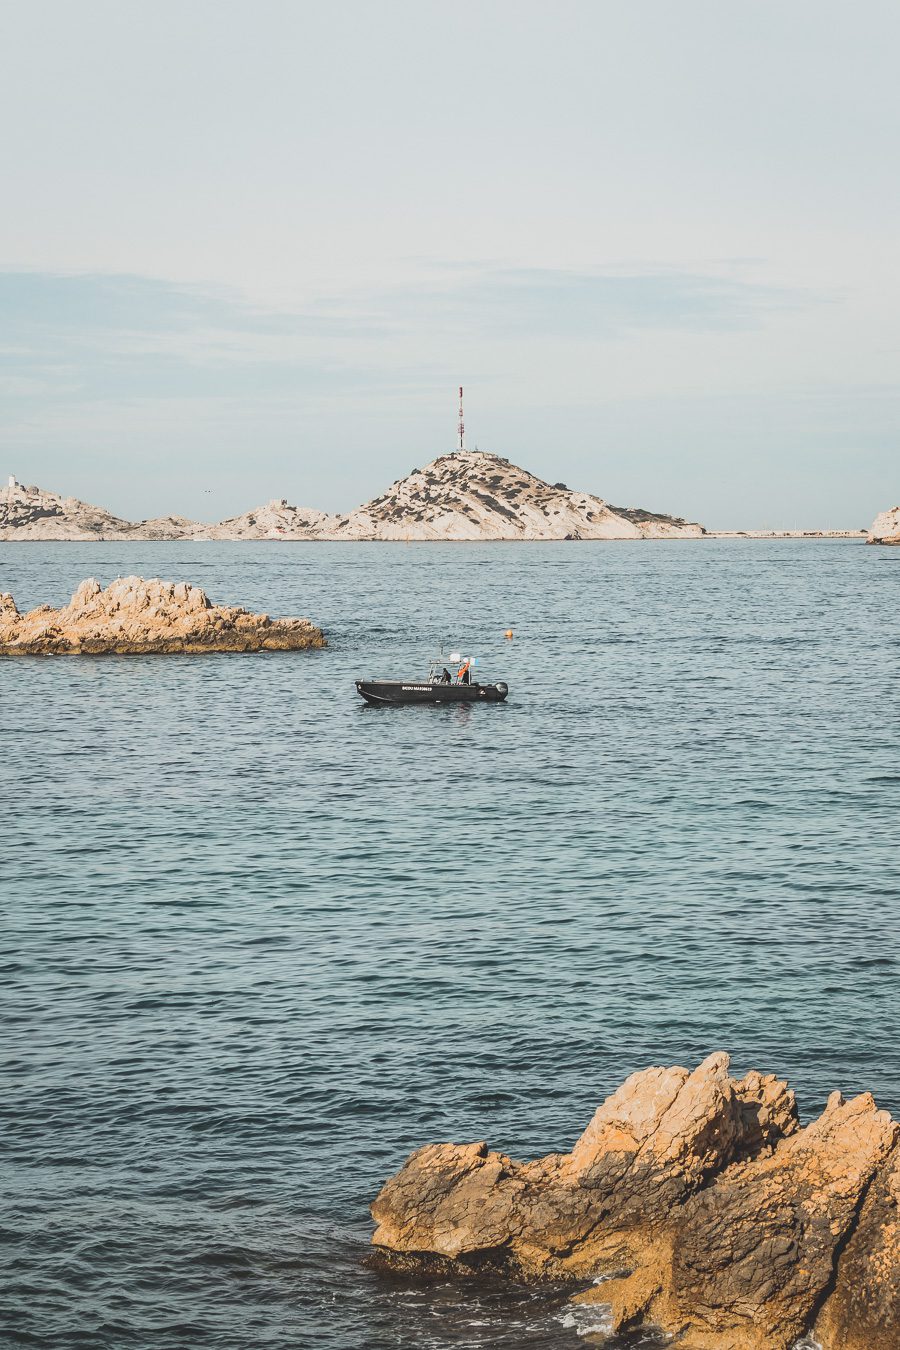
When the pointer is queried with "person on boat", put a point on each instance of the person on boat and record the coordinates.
(463, 675)
(445, 676)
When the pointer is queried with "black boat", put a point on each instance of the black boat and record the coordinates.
(439, 687)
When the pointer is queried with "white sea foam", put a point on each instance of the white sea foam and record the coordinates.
(589, 1319)
(593, 1319)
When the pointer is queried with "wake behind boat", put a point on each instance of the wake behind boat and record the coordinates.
(439, 687)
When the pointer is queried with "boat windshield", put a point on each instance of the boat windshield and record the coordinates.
(452, 669)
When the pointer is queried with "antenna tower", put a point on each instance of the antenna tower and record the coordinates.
(462, 425)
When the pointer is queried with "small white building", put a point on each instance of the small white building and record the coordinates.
(12, 481)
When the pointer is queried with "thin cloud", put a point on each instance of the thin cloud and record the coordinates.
(594, 306)
(132, 337)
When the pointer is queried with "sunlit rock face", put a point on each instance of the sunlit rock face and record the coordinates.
(885, 528)
(863, 1313)
(134, 616)
(708, 1210)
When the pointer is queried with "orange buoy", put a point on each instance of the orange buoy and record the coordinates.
(508, 633)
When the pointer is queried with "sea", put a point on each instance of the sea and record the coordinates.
(260, 941)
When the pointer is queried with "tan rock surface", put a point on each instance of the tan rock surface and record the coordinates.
(134, 616)
(885, 528)
(747, 1260)
(863, 1313)
(738, 1229)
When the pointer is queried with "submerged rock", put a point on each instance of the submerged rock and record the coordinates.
(134, 616)
(885, 528)
(697, 1197)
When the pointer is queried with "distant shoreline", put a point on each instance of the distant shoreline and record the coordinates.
(758, 536)
(464, 497)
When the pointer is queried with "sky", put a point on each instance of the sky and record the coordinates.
(250, 250)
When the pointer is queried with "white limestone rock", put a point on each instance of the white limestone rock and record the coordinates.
(885, 528)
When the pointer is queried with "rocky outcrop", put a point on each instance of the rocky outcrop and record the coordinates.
(31, 513)
(276, 520)
(885, 528)
(469, 495)
(135, 617)
(697, 1201)
(160, 527)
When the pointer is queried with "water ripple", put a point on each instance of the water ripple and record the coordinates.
(260, 941)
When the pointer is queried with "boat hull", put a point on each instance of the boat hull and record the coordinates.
(393, 693)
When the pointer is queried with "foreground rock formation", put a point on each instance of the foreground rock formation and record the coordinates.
(705, 1208)
(468, 495)
(134, 616)
(885, 528)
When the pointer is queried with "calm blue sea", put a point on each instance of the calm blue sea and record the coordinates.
(260, 941)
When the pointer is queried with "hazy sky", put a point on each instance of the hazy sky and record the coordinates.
(250, 249)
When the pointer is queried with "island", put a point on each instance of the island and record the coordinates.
(134, 616)
(694, 1202)
(469, 495)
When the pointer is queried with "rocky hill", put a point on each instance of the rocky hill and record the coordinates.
(475, 495)
(32, 513)
(467, 495)
(885, 528)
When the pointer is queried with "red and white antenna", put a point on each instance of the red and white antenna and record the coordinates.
(462, 425)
